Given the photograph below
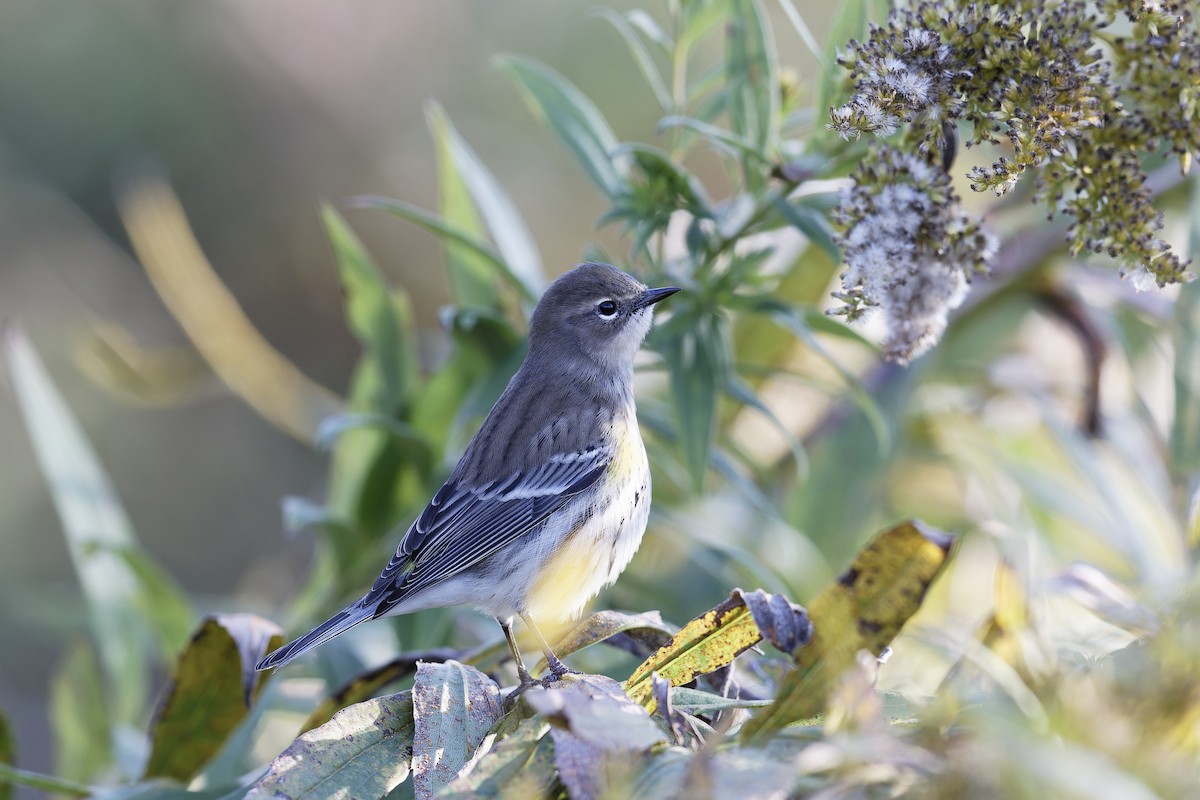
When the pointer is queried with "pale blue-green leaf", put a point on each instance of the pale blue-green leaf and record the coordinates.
(372, 312)
(700, 17)
(503, 221)
(641, 56)
(743, 393)
(753, 89)
(650, 29)
(723, 140)
(795, 322)
(454, 706)
(576, 120)
(695, 701)
(331, 428)
(96, 527)
(811, 223)
(10, 776)
(363, 752)
(806, 35)
(437, 226)
(694, 385)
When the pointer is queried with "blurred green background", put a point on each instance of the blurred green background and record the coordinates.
(255, 111)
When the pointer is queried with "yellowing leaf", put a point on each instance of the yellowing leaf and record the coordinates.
(718, 636)
(863, 610)
(212, 318)
(210, 694)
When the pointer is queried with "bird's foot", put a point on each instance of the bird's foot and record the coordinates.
(557, 670)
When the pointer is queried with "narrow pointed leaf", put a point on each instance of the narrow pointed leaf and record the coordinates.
(96, 527)
(576, 120)
(379, 319)
(11, 777)
(80, 716)
(508, 230)
(637, 49)
(363, 752)
(752, 83)
(444, 229)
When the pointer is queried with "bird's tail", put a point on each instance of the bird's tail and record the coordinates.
(342, 621)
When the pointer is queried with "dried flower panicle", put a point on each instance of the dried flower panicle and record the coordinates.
(909, 249)
(1078, 90)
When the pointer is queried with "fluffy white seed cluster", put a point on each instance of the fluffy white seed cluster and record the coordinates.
(894, 85)
(908, 248)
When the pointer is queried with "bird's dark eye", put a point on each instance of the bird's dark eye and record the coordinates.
(606, 308)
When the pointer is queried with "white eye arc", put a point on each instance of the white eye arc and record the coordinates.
(606, 309)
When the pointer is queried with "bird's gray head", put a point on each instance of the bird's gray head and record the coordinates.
(597, 311)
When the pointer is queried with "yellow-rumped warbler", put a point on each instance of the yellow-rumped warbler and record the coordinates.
(550, 500)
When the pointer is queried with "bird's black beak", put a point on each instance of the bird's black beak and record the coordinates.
(652, 296)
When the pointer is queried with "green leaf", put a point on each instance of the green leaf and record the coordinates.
(722, 140)
(10, 776)
(864, 609)
(159, 789)
(576, 120)
(210, 694)
(753, 88)
(96, 527)
(641, 56)
(8, 756)
(458, 164)
(447, 231)
(521, 765)
(806, 35)
(812, 223)
(363, 752)
(694, 701)
(381, 321)
(161, 602)
(79, 716)
(695, 359)
(331, 428)
(454, 706)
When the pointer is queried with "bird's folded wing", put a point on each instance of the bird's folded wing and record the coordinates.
(465, 524)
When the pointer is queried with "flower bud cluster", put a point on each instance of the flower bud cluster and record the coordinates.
(1077, 92)
(908, 247)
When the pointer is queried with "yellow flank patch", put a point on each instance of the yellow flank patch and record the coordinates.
(629, 457)
(565, 580)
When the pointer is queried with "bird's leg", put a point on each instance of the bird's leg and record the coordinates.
(557, 667)
(522, 673)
